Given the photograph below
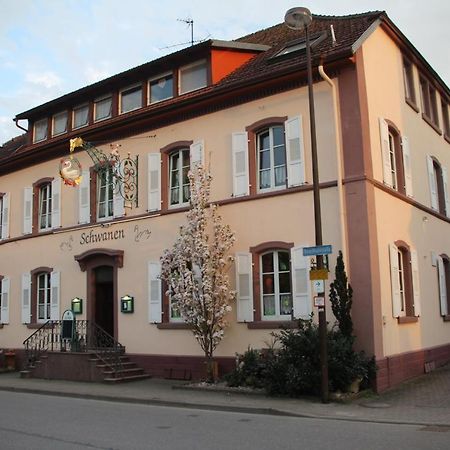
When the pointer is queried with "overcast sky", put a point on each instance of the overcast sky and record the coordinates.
(51, 47)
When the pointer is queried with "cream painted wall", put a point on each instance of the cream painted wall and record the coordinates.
(396, 219)
(286, 218)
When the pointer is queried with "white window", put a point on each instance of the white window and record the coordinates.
(80, 116)
(45, 206)
(276, 292)
(131, 99)
(160, 88)
(4, 300)
(179, 166)
(59, 123)
(4, 216)
(40, 130)
(102, 108)
(271, 153)
(193, 76)
(105, 195)
(43, 297)
(393, 177)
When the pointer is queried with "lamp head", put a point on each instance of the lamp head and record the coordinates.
(298, 18)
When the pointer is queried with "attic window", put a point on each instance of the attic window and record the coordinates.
(300, 44)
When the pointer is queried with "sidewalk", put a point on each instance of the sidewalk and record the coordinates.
(423, 401)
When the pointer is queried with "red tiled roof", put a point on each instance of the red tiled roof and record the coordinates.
(9, 147)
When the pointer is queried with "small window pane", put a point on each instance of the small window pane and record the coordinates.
(285, 282)
(280, 176)
(269, 305)
(131, 99)
(268, 284)
(40, 130)
(103, 109)
(264, 159)
(161, 89)
(192, 77)
(283, 261)
(280, 156)
(285, 304)
(267, 263)
(278, 136)
(59, 123)
(264, 179)
(80, 116)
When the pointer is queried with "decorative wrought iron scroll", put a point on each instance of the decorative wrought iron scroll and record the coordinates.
(123, 173)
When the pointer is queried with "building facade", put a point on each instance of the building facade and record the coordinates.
(241, 109)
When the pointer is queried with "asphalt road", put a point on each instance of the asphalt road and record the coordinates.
(31, 421)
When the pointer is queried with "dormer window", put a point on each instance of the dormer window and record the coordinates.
(40, 130)
(193, 76)
(160, 88)
(59, 123)
(131, 99)
(80, 116)
(102, 108)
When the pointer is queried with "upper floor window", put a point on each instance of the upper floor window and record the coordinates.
(59, 123)
(4, 216)
(102, 108)
(437, 177)
(404, 281)
(105, 195)
(45, 206)
(408, 79)
(80, 116)
(268, 156)
(396, 158)
(429, 101)
(445, 118)
(276, 292)
(271, 158)
(193, 76)
(444, 284)
(179, 166)
(40, 130)
(160, 88)
(131, 99)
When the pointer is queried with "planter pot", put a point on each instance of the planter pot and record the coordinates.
(354, 386)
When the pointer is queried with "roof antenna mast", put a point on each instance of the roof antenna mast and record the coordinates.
(190, 23)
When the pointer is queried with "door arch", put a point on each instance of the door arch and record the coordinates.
(101, 267)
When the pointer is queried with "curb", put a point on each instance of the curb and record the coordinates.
(212, 407)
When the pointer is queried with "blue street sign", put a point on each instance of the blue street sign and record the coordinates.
(317, 250)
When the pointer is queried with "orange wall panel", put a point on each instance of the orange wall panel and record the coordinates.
(224, 62)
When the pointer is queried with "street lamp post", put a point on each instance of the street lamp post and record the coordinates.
(299, 19)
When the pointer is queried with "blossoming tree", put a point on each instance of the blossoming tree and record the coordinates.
(196, 268)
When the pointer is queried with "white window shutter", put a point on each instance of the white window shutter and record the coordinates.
(55, 288)
(301, 284)
(118, 204)
(295, 152)
(239, 152)
(4, 232)
(415, 282)
(433, 184)
(197, 153)
(56, 203)
(395, 283)
(442, 287)
(84, 207)
(407, 166)
(446, 195)
(27, 210)
(386, 157)
(244, 287)
(26, 298)
(154, 181)
(154, 292)
(4, 295)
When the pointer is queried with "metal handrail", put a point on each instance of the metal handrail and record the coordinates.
(87, 337)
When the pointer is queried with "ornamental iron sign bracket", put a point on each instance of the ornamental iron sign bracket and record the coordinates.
(122, 173)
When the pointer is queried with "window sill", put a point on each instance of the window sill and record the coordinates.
(446, 318)
(271, 324)
(173, 326)
(412, 104)
(432, 125)
(407, 319)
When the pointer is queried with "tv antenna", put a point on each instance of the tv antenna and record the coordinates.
(190, 23)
